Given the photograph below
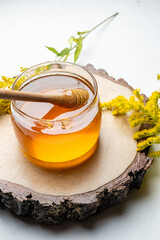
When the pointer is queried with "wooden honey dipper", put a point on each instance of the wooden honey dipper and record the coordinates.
(69, 98)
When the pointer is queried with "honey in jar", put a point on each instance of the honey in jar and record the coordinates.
(52, 136)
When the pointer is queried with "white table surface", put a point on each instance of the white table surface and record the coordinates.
(127, 47)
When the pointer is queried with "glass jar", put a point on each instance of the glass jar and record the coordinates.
(51, 136)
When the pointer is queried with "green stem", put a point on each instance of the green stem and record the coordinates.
(101, 23)
(75, 46)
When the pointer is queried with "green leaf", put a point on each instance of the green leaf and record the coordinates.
(52, 50)
(78, 50)
(76, 40)
(70, 40)
(64, 52)
(79, 33)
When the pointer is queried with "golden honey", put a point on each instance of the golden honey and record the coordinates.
(52, 136)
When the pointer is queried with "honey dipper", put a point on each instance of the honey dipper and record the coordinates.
(69, 98)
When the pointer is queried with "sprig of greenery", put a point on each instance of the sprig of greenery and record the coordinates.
(141, 113)
(76, 43)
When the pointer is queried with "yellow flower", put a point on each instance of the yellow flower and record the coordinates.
(141, 114)
(23, 69)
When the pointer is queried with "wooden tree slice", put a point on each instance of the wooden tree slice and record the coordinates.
(56, 196)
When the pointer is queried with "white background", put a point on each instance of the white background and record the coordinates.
(127, 47)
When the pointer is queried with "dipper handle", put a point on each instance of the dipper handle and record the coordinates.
(69, 98)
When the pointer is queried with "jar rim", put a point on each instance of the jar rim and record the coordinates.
(95, 88)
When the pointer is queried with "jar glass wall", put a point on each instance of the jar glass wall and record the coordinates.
(52, 136)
